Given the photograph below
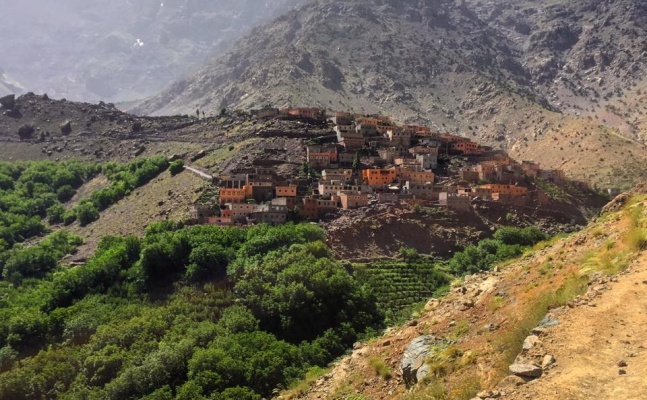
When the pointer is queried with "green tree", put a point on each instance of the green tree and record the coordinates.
(357, 162)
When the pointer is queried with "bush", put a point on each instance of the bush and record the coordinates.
(69, 217)
(65, 193)
(176, 167)
(86, 213)
(55, 214)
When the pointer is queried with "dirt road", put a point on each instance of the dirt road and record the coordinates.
(593, 342)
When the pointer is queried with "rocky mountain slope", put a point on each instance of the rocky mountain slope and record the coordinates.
(9, 86)
(522, 330)
(119, 50)
(509, 73)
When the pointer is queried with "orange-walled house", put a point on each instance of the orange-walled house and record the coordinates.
(322, 156)
(466, 147)
(408, 175)
(232, 195)
(379, 177)
(286, 191)
(506, 190)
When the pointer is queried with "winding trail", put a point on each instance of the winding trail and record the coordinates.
(199, 173)
(590, 342)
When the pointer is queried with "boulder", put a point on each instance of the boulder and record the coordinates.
(530, 342)
(26, 131)
(66, 127)
(548, 361)
(526, 370)
(414, 357)
(8, 101)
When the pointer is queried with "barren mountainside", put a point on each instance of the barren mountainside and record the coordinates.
(119, 50)
(518, 75)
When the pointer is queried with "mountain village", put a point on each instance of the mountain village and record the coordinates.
(371, 160)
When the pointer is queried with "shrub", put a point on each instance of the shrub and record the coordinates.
(380, 367)
(86, 213)
(176, 167)
(55, 214)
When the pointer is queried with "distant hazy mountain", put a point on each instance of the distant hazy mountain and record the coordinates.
(119, 49)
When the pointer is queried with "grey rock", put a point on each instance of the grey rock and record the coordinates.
(530, 342)
(26, 131)
(66, 127)
(413, 359)
(526, 370)
(548, 361)
(548, 321)
(8, 101)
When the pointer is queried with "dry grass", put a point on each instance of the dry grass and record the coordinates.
(380, 367)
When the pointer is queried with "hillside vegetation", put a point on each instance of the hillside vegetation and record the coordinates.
(484, 324)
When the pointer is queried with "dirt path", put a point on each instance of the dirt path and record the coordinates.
(198, 172)
(590, 342)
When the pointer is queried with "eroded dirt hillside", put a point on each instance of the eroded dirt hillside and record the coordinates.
(568, 317)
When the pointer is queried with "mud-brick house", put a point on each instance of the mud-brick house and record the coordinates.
(472, 192)
(289, 202)
(313, 208)
(552, 175)
(341, 118)
(418, 131)
(232, 195)
(415, 176)
(398, 137)
(322, 156)
(260, 191)
(423, 190)
(427, 161)
(238, 212)
(269, 214)
(416, 150)
(352, 199)
(511, 190)
(200, 213)
(285, 191)
(261, 174)
(407, 163)
(389, 154)
(329, 188)
(469, 174)
(265, 113)
(379, 177)
(346, 159)
(530, 168)
(312, 113)
(343, 175)
(366, 130)
(454, 202)
(343, 130)
(465, 147)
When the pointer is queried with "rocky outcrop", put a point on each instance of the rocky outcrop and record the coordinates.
(66, 127)
(413, 360)
(8, 101)
(26, 131)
